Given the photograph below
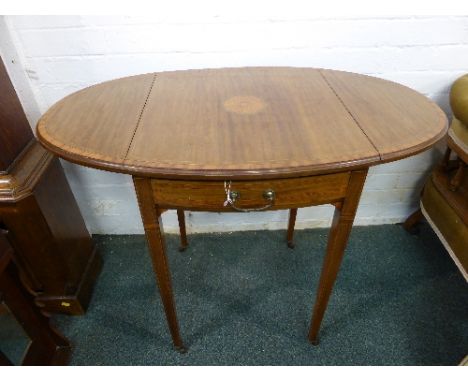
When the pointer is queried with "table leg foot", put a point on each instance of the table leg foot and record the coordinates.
(291, 244)
(314, 341)
(181, 349)
(411, 223)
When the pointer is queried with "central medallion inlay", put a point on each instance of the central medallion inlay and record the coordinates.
(244, 104)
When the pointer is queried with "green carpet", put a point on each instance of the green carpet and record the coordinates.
(245, 299)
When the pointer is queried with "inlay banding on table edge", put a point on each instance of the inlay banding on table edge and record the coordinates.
(278, 148)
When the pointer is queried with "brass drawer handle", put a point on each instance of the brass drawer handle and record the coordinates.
(232, 196)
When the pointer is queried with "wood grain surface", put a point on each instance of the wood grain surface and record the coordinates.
(97, 123)
(290, 193)
(307, 134)
(15, 131)
(397, 120)
(241, 123)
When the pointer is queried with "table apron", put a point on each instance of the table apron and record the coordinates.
(211, 195)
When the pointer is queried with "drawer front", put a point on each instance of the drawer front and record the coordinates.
(288, 193)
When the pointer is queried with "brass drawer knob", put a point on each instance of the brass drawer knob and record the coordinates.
(269, 195)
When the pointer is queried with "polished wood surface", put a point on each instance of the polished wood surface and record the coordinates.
(241, 123)
(245, 121)
(100, 121)
(25, 173)
(397, 120)
(53, 249)
(47, 346)
(243, 139)
(211, 195)
(15, 132)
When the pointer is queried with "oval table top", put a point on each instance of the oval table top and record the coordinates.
(241, 123)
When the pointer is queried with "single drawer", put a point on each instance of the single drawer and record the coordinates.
(250, 195)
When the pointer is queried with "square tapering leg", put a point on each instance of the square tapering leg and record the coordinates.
(342, 223)
(157, 248)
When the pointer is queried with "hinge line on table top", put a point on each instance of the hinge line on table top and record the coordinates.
(349, 112)
(141, 115)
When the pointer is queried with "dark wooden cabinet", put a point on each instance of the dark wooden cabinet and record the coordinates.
(53, 249)
(47, 346)
(15, 133)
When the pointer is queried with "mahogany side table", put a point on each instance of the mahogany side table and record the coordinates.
(243, 139)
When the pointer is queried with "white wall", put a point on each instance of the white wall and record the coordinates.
(57, 55)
